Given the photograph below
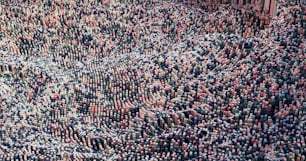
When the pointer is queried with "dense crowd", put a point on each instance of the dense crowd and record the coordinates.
(151, 80)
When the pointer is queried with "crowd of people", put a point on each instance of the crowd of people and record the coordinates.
(151, 80)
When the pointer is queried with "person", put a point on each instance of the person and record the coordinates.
(155, 93)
